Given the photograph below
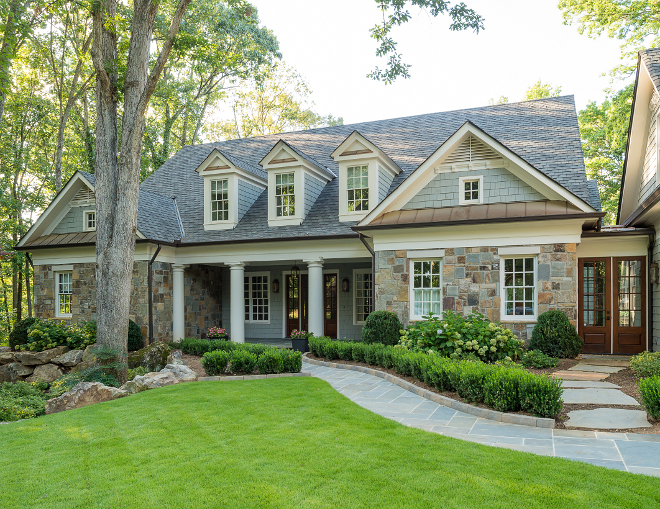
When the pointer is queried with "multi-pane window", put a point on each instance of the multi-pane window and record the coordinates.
(594, 305)
(630, 293)
(362, 296)
(90, 220)
(220, 200)
(64, 290)
(426, 288)
(357, 186)
(519, 285)
(255, 292)
(471, 190)
(285, 199)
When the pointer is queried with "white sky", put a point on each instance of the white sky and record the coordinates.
(328, 43)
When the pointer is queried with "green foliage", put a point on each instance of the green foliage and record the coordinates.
(541, 90)
(194, 346)
(215, 362)
(64, 383)
(270, 361)
(382, 327)
(94, 374)
(646, 364)
(242, 362)
(537, 359)
(46, 334)
(21, 400)
(649, 389)
(139, 371)
(359, 351)
(456, 336)
(135, 340)
(554, 335)
(540, 395)
(292, 360)
(19, 334)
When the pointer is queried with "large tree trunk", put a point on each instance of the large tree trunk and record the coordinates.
(7, 50)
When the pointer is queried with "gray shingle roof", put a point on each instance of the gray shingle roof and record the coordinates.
(651, 59)
(310, 160)
(594, 195)
(543, 132)
(254, 170)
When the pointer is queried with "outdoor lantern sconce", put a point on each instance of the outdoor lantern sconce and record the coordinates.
(653, 273)
(276, 286)
(344, 284)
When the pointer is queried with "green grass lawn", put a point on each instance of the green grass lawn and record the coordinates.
(284, 442)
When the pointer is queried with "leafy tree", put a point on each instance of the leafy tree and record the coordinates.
(502, 100)
(541, 90)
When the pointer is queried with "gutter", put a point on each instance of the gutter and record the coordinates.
(620, 233)
(150, 281)
(650, 201)
(649, 300)
(373, 272)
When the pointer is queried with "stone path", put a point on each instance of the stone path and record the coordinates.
(624, 451)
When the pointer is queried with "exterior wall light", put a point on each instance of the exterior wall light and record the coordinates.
(276, 286)
(344, 285)
(653, 273)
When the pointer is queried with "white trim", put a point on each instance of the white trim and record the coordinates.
(461, 190)
(411, 286)
(387, 162)
(62, 268)
(251, 275)
(355, 272)
(57, 293)
(504, 318)
(85, 227)
(519, 250)
(426, 253)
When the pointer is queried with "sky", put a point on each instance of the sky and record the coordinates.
(328, 42)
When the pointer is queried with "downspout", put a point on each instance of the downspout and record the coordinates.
(649, 300)
(373, 271)
(28, 282)
(150, 283)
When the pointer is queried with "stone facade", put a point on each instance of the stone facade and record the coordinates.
(471, 282)
(203, 298)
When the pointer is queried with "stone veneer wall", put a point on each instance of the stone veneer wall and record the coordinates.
(203, 298)
(471, 282)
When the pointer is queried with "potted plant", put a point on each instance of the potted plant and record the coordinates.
(217, 333)
(300, 340)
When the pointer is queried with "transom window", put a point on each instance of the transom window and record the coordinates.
(64, 291)
(220, 200)
(256, 298)
(90, 220)
(362, 296)
(358, 188)
(471, 190)
(426, 288)
(519, 285)
(285, 199)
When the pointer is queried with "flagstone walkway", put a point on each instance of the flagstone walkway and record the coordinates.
(633, 452)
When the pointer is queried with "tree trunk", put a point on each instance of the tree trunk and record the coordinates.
(19, 295)
(7, 50)
(28, 285)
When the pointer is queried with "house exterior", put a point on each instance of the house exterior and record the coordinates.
(486, 209)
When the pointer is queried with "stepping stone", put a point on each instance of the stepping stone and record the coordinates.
(580, 375)
(598, 397)
(596, 357)
(583, 384)
(607, 362)
(607, 418)
(597, 369)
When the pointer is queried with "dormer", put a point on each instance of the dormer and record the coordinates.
(295, 180)
(365, 175)
(231, 186)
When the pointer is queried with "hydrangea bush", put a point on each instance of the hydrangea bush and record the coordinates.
(46, 334)
(457, 336)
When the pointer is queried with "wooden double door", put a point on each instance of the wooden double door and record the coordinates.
(297, 291)
(612, 304)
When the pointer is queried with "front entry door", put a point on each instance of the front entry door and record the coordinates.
(594, 305)
(330, 305)
(630, 305)
(296, 303)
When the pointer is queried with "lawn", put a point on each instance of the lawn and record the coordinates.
(284, 442)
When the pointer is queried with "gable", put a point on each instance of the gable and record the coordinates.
(471, 150)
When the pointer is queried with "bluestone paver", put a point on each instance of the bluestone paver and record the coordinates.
(607, 418)
(598, 397)
(594, 368)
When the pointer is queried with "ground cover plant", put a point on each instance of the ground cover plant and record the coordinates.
(646, 364)
(284, 442)
(537, 359)
(21, 400)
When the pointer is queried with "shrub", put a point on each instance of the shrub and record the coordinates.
(135, 340)
(20, 400)
(382, 327)
(256, 349)
(359, 351)
(457, 337)
(649, 389)
(646, 364)
(215, 362)
(242, 362)
(471, 380)
(316, 345)
(537, 359)
(345, 350)
(501, 389)
(270, 361)
(540, 395)
(46, 334)
(331, 350)
(139, 371)
(194, 346)
(19, 334)
(292, 360)
(554, 335)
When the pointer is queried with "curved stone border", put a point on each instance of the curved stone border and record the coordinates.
(249, 377)
(485, 413)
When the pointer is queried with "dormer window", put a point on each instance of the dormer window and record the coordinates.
(220, 200)
(89, 224)
(285, 195)
(470, 190)
(357, 186)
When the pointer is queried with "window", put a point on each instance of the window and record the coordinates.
(219, 200)
(470, 190)
(256, 297)
(357, 186)
(426, 288)
(285, 199)
(362, 295)
(519, 288)
(64, 292)
(90, 220)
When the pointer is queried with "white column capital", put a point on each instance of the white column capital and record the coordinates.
(314, 263)
(177, 267)
(236, 265)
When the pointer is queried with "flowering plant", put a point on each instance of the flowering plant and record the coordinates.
(217, 333)
(300, 334)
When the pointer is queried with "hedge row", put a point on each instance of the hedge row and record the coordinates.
(507, 388)
(649, 389)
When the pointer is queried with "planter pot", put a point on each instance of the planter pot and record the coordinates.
(300, 345)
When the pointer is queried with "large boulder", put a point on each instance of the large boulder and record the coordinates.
(150, 381)
(152, 357)
(175, 358)
(83, 394)
(14, 371)
(36, 358)
(72, 358)
(4, 349)
(88, 359)
(7, 357)
(182, 373)
(46, 373)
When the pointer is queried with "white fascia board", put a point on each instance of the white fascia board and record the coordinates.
(232, 169)
(598, 247)
(384, 159)
(87, 254)
(315, 172)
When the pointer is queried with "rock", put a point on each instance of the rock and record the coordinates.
(46, 373)
(175, 358)
(4, 349)
(83, 394)
(14, 371)
(36, 358)
(7, 357)
(69, 359)
(182, 373)
(152, 357)
(88, 360)
(150, 381)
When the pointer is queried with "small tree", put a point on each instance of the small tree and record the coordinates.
(556, 336)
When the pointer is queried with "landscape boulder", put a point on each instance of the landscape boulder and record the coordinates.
(83, 394)
(5, 349)
(36, 358)
(150, 381)
(88, 359)
(152, 357)
(182, 373)
(175, 358)
(7, 357)
(69, 359)
(46, 373)
(14, 371)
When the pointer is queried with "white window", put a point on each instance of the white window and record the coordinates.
(357, 188)
(362, 295)
(256, 297)
(63, 293)
(426, 288)
(518, 286)
(89, 220)
(220, 200)
(285, 196)
(470, 190)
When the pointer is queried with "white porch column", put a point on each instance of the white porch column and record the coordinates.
(178, 304)
(315, 296)
(237, 302)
